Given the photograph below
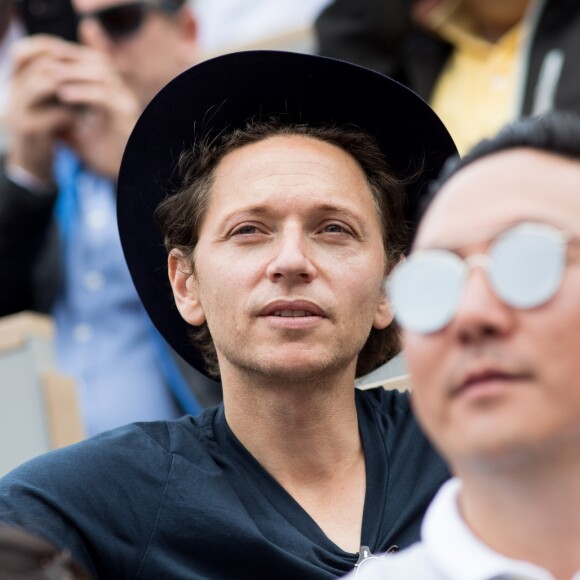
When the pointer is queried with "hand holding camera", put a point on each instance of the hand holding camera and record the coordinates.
(64, 91)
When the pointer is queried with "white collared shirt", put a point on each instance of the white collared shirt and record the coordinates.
(450, 551)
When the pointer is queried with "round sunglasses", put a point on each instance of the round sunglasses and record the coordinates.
(122, 21)
(525, 267)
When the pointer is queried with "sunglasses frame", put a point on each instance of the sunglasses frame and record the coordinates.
(484, 260)
(145, 8)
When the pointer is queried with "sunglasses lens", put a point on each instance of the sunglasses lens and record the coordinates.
(528, 264)
(122, 21)
(425, 290)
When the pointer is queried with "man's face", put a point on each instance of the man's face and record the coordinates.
(290, 262)
(162, 47)
(500, 384)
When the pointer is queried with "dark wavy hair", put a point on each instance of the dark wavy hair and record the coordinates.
(180, 215)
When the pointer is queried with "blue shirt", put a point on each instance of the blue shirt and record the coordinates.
(104, 337)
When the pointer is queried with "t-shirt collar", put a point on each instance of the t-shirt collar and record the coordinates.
(455, 549)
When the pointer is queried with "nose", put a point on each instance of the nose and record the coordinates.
(481, 314)
(291, 261)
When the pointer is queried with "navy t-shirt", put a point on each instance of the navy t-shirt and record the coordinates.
(184, 499)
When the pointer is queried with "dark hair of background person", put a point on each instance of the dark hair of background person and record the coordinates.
(24, 556)
(6, 15)
(556, 132)
(180, 216)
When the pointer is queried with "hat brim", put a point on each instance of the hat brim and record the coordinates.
(221, 94)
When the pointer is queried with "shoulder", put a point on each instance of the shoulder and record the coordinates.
(139, 446)
(80, 496)
(559, 11)
(391, 411)
(385, 396)
(558, 18)
(133, 449)
(412, 457)
(136, 447)
(102, 459)
(390, 404)
(109, 462)
(18, 199)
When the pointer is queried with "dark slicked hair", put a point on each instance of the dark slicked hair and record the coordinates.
(556, 132)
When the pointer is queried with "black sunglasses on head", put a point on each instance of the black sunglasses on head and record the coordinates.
(123, 20)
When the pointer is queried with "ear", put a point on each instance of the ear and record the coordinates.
(189, 30)
(384, 314)
(184, 286)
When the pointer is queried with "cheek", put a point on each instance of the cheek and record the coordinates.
(421, 355)
(556, 352)
(363, 275)
(362, 291)
(222, 288)
(550, 336)
(425, 363)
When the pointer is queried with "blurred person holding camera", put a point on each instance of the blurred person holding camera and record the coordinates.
(10, 31)
(72, 106)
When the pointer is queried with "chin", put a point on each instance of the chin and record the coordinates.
(502, 454)
(300, 370)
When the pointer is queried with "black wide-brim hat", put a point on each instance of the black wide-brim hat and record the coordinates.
(221, 94)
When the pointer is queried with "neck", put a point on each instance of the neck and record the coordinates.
(493, 18)
(530, 513)
(306, 436)
(276, 421)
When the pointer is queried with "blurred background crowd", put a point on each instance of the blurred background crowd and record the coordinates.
(67, 109)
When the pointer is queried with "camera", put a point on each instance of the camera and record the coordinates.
(55, 17)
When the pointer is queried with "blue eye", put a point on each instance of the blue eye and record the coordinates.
(335, 229)
(245, 230)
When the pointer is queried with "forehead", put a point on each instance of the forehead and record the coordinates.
(91, 5)
(283, 166)
(501, 189)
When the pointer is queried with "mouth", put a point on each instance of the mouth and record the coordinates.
(292, 313)
(293, 309)
(490, 381)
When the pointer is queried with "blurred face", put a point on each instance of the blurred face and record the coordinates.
(507, 12)
(162, 47)
(290, 261)
(498, 383)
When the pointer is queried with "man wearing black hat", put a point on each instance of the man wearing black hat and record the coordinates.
(260, 209)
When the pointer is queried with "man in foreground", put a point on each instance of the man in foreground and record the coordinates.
(493, 353)
(283, 201)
